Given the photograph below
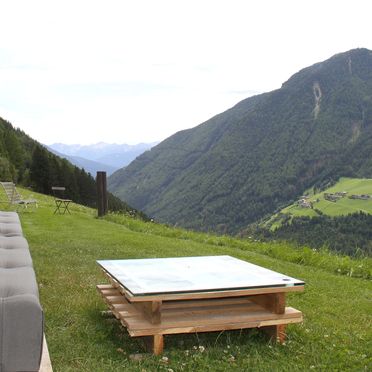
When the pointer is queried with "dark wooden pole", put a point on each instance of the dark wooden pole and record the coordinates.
(102, 203)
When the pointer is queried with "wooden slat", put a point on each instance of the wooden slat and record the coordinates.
(110, 292)
(104, 286)
(203, 302)
(211, 327)
(215, 294)
(210, 308)
(116, 299)
(174, 320)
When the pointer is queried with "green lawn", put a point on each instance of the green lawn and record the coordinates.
(335, 335)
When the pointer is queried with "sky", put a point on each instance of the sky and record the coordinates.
(139, 71)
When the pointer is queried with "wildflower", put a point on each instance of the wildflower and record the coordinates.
(164, 359)
(201, 349)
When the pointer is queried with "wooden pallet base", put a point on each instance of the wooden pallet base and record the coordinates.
(200, 315)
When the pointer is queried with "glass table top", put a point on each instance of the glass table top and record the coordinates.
(192, 274)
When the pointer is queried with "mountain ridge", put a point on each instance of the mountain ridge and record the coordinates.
(260, 154)
(112, 154)
(89, 166)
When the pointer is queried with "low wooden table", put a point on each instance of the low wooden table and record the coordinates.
(155, 297)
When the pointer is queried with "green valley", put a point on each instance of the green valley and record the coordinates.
(319, 205)
(338, 218)
(260, 155)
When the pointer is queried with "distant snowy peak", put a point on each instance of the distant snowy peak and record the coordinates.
(112, 154)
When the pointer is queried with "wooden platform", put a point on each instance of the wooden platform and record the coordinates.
(158, 318)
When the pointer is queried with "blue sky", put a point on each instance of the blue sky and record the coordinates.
(139, 71)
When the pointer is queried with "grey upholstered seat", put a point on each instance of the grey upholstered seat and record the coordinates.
(13, 242)
(21, 316)
(21, 320)
(10, 229)
(17, 281)
(9, 219)
(12, 258)
(9, 214)
(21, 333)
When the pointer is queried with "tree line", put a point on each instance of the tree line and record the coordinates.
(24, 161)
(350, 234)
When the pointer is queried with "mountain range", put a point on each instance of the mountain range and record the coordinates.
(261, 154)
(100, 156)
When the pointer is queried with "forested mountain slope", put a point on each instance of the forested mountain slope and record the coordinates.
(262, 153)
(25, 161)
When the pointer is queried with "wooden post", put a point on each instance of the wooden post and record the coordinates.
(102, 202)
(151, 310)
(274, 302)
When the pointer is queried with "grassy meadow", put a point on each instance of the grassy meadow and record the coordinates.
(342, 207)
(336, 333)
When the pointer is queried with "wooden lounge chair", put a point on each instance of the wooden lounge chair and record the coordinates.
(14, 197)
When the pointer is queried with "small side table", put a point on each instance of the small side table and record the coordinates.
(62, 206)
(61, 202)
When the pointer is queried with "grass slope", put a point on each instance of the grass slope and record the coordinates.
(335, 334)
(343, 206)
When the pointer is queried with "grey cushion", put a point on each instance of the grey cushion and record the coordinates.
(21, 333)
(9, 214)
(9, 220)
(13, 242)
(18, 281)
(12, 258)
(10, 229)
(21, 316)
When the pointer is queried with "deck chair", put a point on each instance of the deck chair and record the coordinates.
(14, 197)
(61, 202)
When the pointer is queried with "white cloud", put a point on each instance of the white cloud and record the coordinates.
(132, 71)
